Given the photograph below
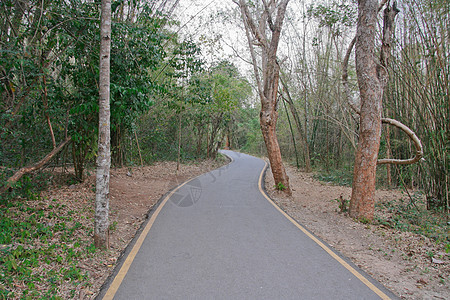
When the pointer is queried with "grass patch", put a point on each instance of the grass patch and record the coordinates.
(337, 177)
(412, 215)
(41, 245)
(405, 214)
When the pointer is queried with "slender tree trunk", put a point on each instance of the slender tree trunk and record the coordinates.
(101, 230)
(227, 140)
(199, 139)
(207, 142)
(268, 85)
(292, 135)
(47, 115)
(298, 123)
(139, 148)
(179, 143)
(388, 156)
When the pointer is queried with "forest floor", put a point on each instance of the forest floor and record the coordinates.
(51, 254)
(411, 265)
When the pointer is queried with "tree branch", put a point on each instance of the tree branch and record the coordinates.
(388, 21)
(345, 73)
(412, 136)
(252, 52)
(25, 170)
(269, 16)
(251, 24)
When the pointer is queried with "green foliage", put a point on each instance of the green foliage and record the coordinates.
(209, 103)
(343, 177)
(343, 204)
(280, 186)
(364, 220)
(28, 187)
(335, 15)
(27, 243)
(252, 141)
(113, 226)
(412, 215)
(50, 70)
(50, 75)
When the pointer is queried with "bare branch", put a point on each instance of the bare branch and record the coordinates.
(251, 24)
(345, 74)
(347, 57)
(252, 53)
(269, 16)
(25, 170)
(388, 20)
(412, 136)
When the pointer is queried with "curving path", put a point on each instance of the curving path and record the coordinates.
(218, 237)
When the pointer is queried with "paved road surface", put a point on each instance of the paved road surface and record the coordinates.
(218, 237)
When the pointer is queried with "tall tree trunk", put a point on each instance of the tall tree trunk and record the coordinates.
(101, 230)
(268, 85)
(179, 142)
(372, 78)
(388, 156)
(199, 139)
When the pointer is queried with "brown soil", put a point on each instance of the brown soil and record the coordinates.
(399, 260)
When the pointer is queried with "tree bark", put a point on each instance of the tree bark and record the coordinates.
(372, 77)
(389, 16)
(268, 86)
(179, 143)
(101, 230)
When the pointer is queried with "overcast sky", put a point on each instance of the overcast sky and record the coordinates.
(210, 24)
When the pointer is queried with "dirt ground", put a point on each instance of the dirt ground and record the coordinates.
(399, 260)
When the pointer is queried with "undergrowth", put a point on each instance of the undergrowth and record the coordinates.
(412, 215)
(404, 214)
(41, 244)
(337, 177)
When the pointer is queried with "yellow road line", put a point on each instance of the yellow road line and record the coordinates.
(322, 245)
(112, 290)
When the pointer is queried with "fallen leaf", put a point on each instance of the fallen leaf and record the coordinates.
(422, 281)
(436, 261)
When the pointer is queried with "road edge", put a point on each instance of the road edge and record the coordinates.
(342, 260)
(111, 285)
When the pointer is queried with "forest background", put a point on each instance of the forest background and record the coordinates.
(179, 94)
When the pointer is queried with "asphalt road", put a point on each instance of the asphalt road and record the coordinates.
(219, 237)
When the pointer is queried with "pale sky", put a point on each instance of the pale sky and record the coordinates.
(203, 24)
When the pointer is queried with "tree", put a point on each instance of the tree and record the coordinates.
(138, 45)
(268, 84)
(372, 78)
(101, 235)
